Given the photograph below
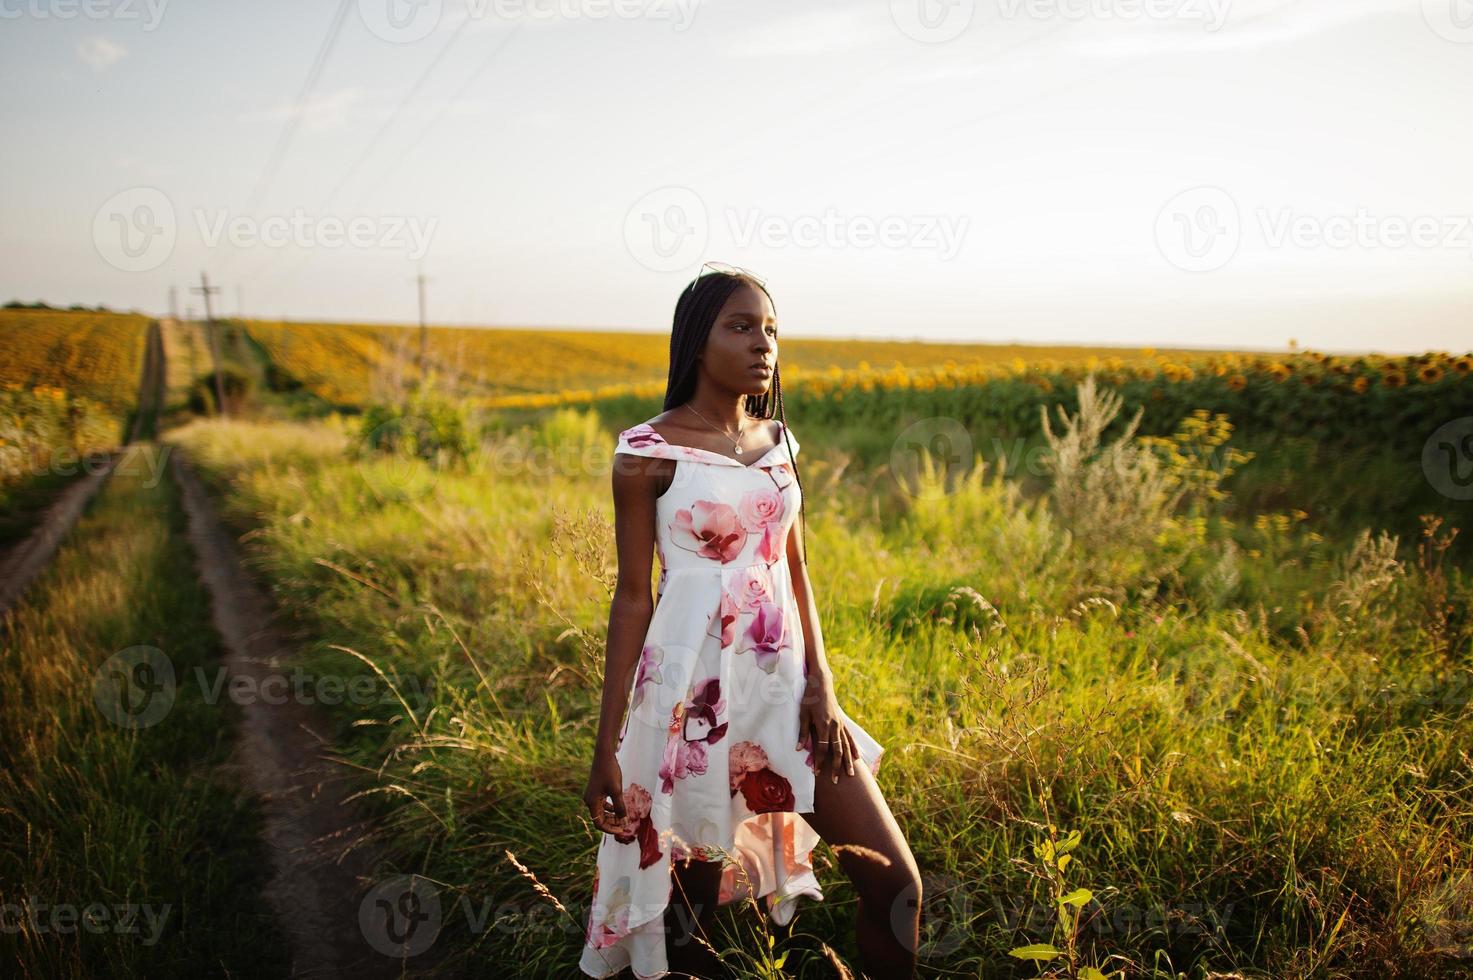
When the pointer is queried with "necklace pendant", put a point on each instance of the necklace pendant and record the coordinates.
(739, 450)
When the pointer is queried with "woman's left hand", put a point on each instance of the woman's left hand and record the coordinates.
(821, 727)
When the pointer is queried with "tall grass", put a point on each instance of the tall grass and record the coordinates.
(1250, 741)
(138, 829)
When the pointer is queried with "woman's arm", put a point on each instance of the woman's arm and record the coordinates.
(813, 654)
(633, 604)
(819, 725)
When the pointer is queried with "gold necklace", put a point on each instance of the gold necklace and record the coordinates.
(740, 429)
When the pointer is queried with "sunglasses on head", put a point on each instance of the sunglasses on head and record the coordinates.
(730, 270)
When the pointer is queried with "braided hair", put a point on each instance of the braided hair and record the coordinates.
(695, 313)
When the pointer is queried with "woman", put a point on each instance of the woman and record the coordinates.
(734, 757)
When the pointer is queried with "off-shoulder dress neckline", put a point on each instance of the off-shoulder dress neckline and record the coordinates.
(643, 439)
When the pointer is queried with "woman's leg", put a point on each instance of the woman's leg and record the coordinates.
(691, 913)
(887, 926)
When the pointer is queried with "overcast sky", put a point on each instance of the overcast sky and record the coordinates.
(1170, 172)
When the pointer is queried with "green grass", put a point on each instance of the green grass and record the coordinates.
(1261, 734)
(123, 820)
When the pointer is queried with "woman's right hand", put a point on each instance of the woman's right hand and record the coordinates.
(605, 784)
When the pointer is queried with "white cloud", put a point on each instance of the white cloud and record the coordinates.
(100, 54)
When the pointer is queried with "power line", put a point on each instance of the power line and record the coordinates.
(459, 93)
(398, 110)
(505, 40)
(289, 131)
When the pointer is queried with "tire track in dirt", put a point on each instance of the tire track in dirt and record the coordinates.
(22, 562)
(322, 864)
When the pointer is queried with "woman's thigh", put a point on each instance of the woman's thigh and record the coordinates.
(853, 811)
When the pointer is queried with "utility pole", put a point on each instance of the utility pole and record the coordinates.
(208, 291)
(423, 332)
(188, 326)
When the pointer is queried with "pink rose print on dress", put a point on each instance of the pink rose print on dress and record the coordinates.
(723, 621)
(703, 711)
(681, 759)
(765, 635)
(751, 589)
(648, 672)
(710, 529)
(693, 726)
(642, 436)
(770, 548)
(763, 790)
(638, 825)
(760, 508)
(606, 929)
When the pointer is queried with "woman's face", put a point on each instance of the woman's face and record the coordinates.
(743, 336)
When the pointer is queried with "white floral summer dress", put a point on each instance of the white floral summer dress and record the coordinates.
(708, 746)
